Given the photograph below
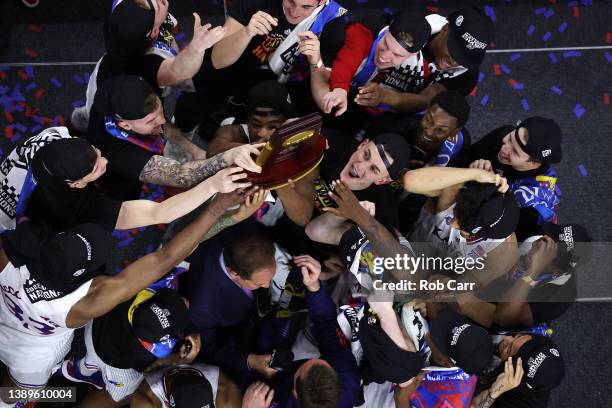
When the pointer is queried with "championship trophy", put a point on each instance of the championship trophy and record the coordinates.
(293, 151)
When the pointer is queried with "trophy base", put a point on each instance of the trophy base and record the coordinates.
(281, 184)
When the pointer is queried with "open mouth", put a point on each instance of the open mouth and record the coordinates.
(353, 173)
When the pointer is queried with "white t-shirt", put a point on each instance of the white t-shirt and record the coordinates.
(30, 308)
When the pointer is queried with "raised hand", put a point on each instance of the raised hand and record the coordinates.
(226, 180)
(509, 379)
(336, 99)
(261, 23)
(251, 204)
(223, 201)
(371, 94)
(311, 270)
(258, 395)
(485, 176)
(482, 164)
(543, 252)
(241, 156)
(348, 205)
(310, 46)
(203, 36)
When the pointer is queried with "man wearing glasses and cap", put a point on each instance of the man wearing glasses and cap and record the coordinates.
(419, 59)
(523, 154)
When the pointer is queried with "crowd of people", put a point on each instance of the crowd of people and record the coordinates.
(417, 265)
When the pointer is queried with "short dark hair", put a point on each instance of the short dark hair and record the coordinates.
(454, 104)
(468, 202)
(151, 103)
(320, 388)
(248, 252)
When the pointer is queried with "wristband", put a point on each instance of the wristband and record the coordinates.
(319, 64)
(529, 280)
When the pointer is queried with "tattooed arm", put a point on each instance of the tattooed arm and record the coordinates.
(176, 136)
(506, 381)
(169, 172)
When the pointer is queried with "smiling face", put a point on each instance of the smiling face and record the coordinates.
(511, 153)
(365, 167)
(297, 10)
(149, 125)
(435, 127)
(389, 53)
(439, 48)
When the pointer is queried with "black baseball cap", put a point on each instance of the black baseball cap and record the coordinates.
(63, 160)
(469, 33)
(410, 29)
(127, 29)
(332, 40)
(78, 252)
(497, 215)
(270, 94)
(575, 244)
(397, 147)
(160, 317)
(123, 96)
(543, 364)
(189, 389)
(544, 139)
(468, 344)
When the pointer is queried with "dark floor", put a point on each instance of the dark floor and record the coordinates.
(567, 85)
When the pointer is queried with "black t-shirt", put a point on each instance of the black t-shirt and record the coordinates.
(77, 206)
(115, 342)
(408, 80)
(125, 161)
(487, 148)
(341, 147)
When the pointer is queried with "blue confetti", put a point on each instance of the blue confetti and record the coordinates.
(484, 100)
(553, 57)
(77, 104)
(481, 76)
(4, 90)
(179, 36)
(525, 104)
(490, 12)
(31, 86)
(587, 2)
(540, 10)
(519, 86)
(556, 90)
(515, 57)
(29, 70)
(78, 79)
(571, 4)
(36, 129)
(504, 68)
(608, 56)
(569, 54)
(531, 30)
(4, 68)
(21, 127)
(579, 110)
(582, 170)
(125, 242)
(86, 76)
(549, 13)
(55, 82)
(562, 27)
(546, 36)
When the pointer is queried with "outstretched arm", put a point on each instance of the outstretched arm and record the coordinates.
(188, 62)
(107, 292)
(176, 136)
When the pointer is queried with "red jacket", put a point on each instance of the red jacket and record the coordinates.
(356, 48)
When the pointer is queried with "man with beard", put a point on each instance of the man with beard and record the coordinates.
(129, 127)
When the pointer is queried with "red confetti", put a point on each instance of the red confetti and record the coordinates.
(512, 82)
(30, 53)
(39, 93)
(576, 11)
(2, 74)
(433, 9)
(8, 132)
(30, 111)
(45, 120)
(496, 69)
(552, 1)
(606, 98)
(60, 119)
(492, 45)
(608, 38)
(9, 116)
(23, 75)
(473, 93)
(35, 28)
